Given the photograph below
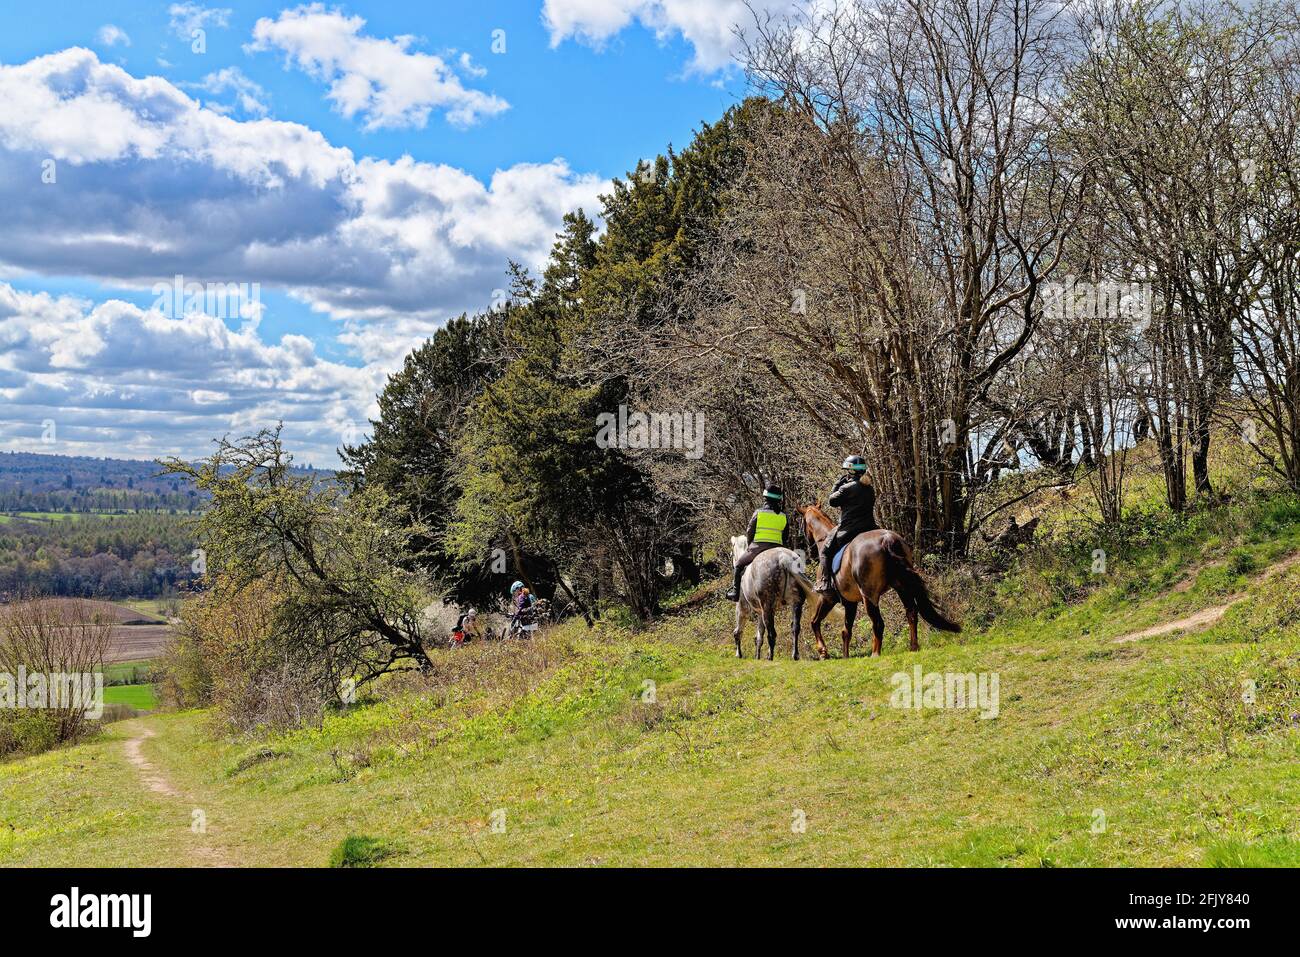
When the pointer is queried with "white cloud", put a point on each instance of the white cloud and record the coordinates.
(430, 220)
(151, 184)
(249, 97)
(382, 80)
(110, 35)
(111, 375)
(188, 17)
(468, 65)
(708, 25)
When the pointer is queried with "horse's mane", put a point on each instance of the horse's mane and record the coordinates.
(816, 509)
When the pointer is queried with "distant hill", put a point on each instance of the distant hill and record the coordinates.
(34, 482)
(31, 482)
(96, 528)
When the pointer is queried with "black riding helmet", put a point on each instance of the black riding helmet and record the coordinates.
(773, 494)
(855, 463)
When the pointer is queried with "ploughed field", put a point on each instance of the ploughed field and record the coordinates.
(137, 642)
(136, 635)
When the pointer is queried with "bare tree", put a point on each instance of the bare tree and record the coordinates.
(879, 271)
(61, 640)
(1267, 335)
(1160, 107)
(338, 559)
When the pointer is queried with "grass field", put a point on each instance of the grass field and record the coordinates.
(1102, 753)
(140, 697)
(156, 607)
(617, 746)
(57, 516)
(126, 671)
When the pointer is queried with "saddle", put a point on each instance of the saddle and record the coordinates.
(838, 557)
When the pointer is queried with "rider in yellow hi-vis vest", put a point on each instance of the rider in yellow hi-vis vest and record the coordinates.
(768, 528)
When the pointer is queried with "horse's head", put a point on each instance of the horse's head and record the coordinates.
(738, 545)
(816, 523)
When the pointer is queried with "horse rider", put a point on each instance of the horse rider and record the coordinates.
(856, 500)
(768, 528)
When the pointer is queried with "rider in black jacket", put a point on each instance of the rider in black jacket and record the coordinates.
(856, 500)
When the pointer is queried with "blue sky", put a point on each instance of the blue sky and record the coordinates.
(369, 166)
(599, 108)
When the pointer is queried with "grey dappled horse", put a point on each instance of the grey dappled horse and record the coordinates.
(772, 580)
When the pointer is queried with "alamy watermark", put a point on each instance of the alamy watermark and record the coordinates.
(130, 911)
(221, 300)
(945, 689)
(683, 431)
(83, 691)
(1073, 299)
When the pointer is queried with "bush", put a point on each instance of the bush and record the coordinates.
(356, 851)
(231, 652)
(182, 673)
(27, 732)
(50, 636)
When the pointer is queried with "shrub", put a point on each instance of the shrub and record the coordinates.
(49, 636)
(183, 675)
(27, 732)
(232, 652)
(355, 851)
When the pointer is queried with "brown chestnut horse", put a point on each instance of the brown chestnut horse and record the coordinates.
(873, 563)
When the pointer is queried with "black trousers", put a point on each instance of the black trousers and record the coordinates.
(840, 536)
(753, 551)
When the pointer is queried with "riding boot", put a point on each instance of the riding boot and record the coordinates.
(824, 584)
(734, 594)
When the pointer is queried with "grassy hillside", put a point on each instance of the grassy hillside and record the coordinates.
(725, 758)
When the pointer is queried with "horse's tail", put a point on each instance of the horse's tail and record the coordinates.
(913, 589)
(791, 564)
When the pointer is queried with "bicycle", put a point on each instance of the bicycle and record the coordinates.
(528, 620)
